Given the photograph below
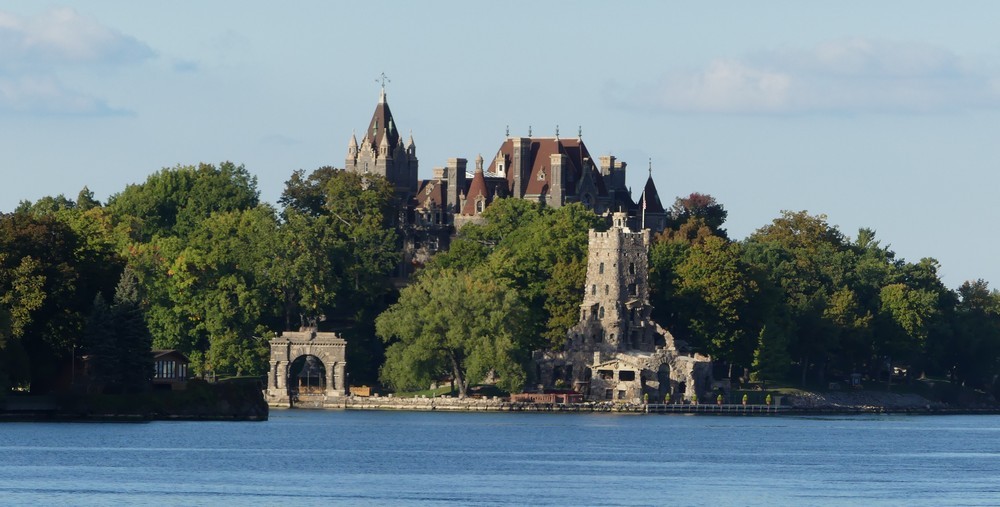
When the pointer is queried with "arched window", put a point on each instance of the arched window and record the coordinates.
(593, 290)
(480, 205)
(601, 269)
(601, 313)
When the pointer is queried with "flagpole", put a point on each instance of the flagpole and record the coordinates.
(644, 209)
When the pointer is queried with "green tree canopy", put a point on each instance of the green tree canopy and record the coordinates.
(455, 323)
(173, 201)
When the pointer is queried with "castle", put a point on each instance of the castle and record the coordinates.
(550, 170)
(616, 351)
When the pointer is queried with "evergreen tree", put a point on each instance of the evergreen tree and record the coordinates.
(133, 342)
(99, 342)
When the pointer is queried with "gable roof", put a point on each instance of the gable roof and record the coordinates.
(431, 192)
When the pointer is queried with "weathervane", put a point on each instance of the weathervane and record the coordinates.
(383, 79)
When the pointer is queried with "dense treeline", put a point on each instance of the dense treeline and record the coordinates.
(191, 259)
(214, 272)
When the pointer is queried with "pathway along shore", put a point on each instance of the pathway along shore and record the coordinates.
(791, 407)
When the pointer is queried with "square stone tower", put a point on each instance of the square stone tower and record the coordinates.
(616, 353)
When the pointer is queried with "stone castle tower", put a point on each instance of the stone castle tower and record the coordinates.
(614, 315)
(383, 152)
(616, 352)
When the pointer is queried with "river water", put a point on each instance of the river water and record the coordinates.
(303, 457)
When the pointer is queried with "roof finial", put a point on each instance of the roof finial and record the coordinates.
(650, 167)
(529, 130)
(579, 132)
(383, 79)
(508, 130)
(557, 131)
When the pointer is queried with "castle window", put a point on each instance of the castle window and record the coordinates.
(480, 205)
(593, 290)
(626, 375)
(607, 290)
(601, 269)
(631, 268)
(601, 313)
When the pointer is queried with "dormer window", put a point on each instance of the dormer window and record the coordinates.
(541, 175)
(480, 205)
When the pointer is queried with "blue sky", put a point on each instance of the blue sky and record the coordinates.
(878, 114)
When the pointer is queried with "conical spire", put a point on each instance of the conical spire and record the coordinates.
(478, 196)
(650, 197)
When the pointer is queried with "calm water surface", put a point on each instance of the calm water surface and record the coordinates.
(410, 458)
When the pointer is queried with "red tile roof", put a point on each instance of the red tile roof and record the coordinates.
(539, 159)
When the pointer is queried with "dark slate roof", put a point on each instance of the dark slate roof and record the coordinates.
(381, 122)
(651, 198)
(431, 192)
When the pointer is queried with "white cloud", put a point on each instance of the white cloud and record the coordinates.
(36, 51)
(44, 95)
(62, 36)
(844, 76)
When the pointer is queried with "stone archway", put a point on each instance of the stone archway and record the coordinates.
(295, 347)
(306, 375)
(663, 377)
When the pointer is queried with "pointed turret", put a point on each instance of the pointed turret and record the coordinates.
(383, 146)
(650, 198)
(478, 196)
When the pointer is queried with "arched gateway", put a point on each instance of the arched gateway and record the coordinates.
(308, 367)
